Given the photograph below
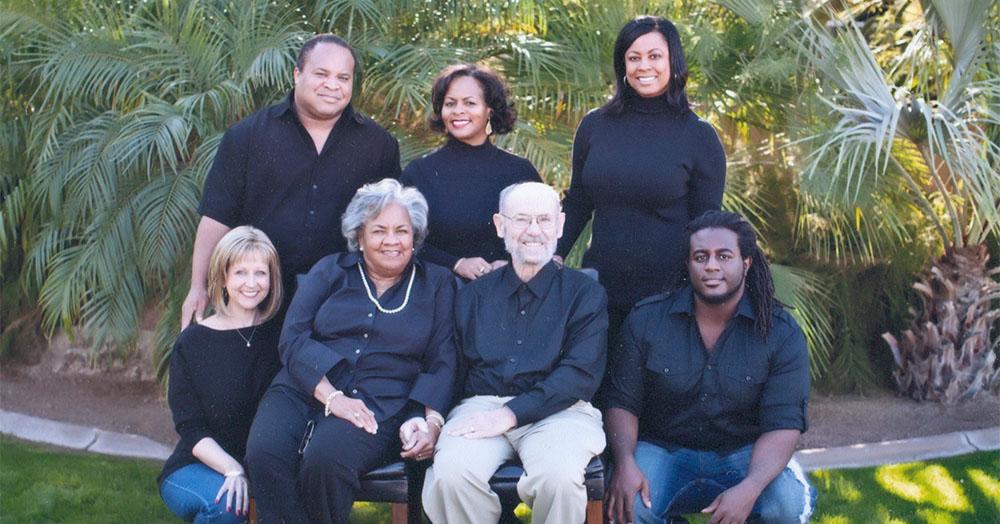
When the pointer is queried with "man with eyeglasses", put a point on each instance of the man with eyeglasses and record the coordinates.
(532, 344)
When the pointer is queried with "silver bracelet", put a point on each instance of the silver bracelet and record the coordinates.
(435, 419)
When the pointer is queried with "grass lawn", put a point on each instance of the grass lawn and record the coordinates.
(956, 490)
(41, 484)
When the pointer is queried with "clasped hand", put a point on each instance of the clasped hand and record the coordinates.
(418, 438)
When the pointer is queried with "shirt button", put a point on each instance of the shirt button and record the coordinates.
(370, 315)
(354, 392)
(312, 212)
(701, 428)
(710, 367)
(748, 378)
(512, 360)
(518, 342)
(522, 311)
(315, 186)
(666, 370)
(357, 351)
(366, 335)
(704, 397)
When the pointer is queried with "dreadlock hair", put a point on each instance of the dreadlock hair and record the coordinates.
(759, 285)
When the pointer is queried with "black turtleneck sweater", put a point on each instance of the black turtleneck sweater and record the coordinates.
(644, 174)
(462, 185)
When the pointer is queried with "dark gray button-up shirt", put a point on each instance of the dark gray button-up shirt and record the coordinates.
(719, 401)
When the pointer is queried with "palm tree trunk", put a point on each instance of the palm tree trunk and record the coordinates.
(948, 352)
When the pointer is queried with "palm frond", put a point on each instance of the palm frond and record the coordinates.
(964, 24)
(166, 221)
(809, 296)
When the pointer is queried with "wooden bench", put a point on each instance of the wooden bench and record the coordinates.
(392, 484)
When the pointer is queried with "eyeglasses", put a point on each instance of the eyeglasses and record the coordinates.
(546, 222)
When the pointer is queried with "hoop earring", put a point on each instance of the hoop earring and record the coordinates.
(625, 79)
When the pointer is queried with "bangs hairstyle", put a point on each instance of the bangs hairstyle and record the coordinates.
(496, 94)
(238, 243)
(372, 198)
(676, 96)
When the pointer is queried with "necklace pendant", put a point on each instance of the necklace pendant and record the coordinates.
(248, 343)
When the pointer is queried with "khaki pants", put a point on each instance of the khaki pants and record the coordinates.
(554, 451)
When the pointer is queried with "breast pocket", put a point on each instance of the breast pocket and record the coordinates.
(679, 378)
(743, 384)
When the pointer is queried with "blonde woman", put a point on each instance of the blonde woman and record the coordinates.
(219, 370)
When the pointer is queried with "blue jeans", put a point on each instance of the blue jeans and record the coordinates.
(687, 480)
(190, 493)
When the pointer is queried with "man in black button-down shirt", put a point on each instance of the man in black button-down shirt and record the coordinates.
(291, 169)
(708, 398)
(532, 344)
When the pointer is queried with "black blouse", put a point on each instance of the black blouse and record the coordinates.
(462, 185)
(333, 329)
(644, 175)
(216, 382)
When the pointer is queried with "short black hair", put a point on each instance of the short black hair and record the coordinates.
(324, 38)
(496, 94)
(676, 96)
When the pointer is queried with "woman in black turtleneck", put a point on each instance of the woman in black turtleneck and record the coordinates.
(462, 179)
(645, 165)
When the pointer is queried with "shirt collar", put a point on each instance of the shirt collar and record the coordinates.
(538, 285)
(684, 303)
(285, 106)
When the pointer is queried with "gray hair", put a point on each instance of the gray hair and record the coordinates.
(372, 198)
(528, 185)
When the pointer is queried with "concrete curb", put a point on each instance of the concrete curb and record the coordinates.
(82, 438)
(95, 440)
(896, 451)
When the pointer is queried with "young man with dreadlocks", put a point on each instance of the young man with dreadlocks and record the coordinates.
(708, 398)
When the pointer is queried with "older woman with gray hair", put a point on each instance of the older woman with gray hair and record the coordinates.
(369, 364)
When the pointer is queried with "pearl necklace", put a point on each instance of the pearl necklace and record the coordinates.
(406, 299)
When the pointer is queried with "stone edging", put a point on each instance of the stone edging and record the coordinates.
(83, 438)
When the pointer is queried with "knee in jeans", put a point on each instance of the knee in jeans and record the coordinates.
(218, 515)
(782, 513)
(791, 505)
